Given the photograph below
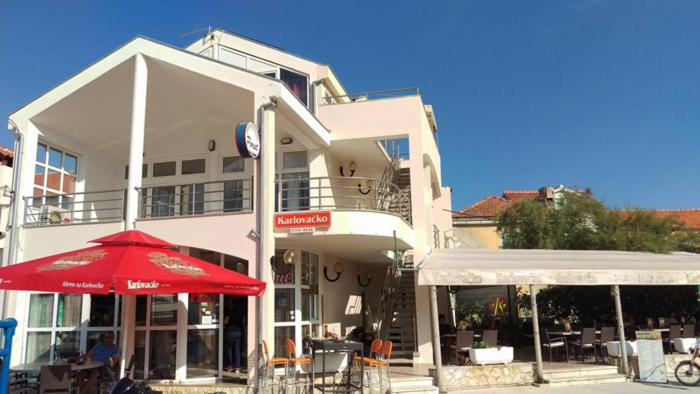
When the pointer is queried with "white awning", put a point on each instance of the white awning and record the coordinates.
(474, 267)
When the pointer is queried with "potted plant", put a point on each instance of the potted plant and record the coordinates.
(470, 315)
(482, 353)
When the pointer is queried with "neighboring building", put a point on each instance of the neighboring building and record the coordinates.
(689, 218)
(475, 226)
(144, 138)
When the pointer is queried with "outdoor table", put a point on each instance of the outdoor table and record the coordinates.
(322, 346)
(35, 368)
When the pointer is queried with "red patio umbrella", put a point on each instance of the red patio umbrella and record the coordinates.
(128, 262)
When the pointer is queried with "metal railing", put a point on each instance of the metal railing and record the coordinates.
(74, 208)
(203, 198)
(371, 95)
(341, 193)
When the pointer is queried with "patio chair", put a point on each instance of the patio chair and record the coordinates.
(551, 343)
(490, 337)
(585, 344)
(55, 379)
(673, 333)
(689, 330)
(270, 364)
(294, 361)
(607, 334)
(370, 361)
(465, 341)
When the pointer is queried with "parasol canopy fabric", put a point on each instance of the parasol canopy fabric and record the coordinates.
(128, 262)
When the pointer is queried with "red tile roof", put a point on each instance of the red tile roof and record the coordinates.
(690, 218)
(517, 195)
(486, 208)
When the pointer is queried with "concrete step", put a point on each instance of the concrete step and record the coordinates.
(415, 390)
(584, 371)
(599, 379)
(411, 381)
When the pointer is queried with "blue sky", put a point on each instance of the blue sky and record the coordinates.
(600, 94)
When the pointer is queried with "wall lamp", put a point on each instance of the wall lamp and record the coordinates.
(287, 260)
(359, 281)
(338, 268)
(352, 167)
(370, 186)
(286, 140)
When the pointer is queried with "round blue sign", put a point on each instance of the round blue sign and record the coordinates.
(247, 140)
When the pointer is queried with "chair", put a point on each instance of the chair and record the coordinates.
(490, 337)
(55, 379)
(550, 344)
(371, 361)
(607, 334)
(663, 322)
(689, 330)
(270, 364)
(295, 361)
(673, 333)
(465, 341)
(585, 343)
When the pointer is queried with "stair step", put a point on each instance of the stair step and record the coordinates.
(412, 381)
(415, 390)
(565, 373)
(581, 380)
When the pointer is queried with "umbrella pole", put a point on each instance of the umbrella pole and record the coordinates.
(127, 332)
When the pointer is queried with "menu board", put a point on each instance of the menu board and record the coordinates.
(650, 350)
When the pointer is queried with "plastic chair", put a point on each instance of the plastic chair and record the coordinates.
(382, 363)
(551, 343)
(270, 364)
(607, 334)
(375, 349)
(55, 379)
(490, 337)
(295, 361)
(587, 342)
(465, 341)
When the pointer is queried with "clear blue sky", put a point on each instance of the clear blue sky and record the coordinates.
(600, 94)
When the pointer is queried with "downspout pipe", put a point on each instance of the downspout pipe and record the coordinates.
(12, 219)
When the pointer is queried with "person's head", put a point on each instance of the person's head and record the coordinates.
(108, 338)
(441, 318)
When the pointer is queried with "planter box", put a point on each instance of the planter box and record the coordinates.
(334, 362)
(492, 355)
(614, 348)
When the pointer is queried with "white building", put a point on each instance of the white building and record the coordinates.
(144, 138)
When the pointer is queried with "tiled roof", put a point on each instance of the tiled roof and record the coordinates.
(517, 195)
(690, 218)
(486, 208)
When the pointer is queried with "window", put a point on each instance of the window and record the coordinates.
(60, 316)
(162, 200)
(166, 168)
(192, 199)
(196, 166)
(297, 83)
(233, 164)
(233, 196)
(294, 160)
(144, 171)
(54, 175)
(228, 56)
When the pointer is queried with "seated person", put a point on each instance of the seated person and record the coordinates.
(445, 328)
(105, 352)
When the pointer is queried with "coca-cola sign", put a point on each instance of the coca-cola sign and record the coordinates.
(300, 221)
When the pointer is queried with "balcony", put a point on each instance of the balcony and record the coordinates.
(342, 194)
(74, 208)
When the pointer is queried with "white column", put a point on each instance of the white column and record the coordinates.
(435, 331)
(621, 330)
(266, 210)
(138, 125)
(536, 335)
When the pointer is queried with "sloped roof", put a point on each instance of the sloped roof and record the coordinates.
(486, 208)
(517, 195)
(690, 218)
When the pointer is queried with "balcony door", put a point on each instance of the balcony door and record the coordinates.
(293, 183)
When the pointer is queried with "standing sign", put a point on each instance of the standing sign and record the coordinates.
(247, 140)
(302, 222)
(652, 366)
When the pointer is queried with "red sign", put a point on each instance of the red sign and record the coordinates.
(295, 221)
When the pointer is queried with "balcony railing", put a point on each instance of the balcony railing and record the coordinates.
(341, 193)
(74, 208)
(371, 95)
(204, 198)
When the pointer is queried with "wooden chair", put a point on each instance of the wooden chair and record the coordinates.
(585, 343)
(689, 330)
(550, 344)
(55, 379)
(607, 334)
(490, 337)
(465, 341)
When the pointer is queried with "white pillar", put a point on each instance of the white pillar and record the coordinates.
(536, 335)
(621, 330)
(138, 125)
(435, 328)
(266, 211)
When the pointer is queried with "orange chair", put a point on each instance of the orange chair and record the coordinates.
(370, 361)
(271, 363)
(382, 362)
(300, 361)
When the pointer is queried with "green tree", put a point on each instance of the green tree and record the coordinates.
(525, 225)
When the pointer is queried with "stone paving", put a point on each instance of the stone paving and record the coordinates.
(615, 388)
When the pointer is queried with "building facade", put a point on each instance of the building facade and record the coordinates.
(144, 138)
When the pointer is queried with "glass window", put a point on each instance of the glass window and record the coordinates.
(192, 199)
(101, 310)
(139, 354)
(309, 268)
(40, 310)
(69, 309)
(55, 158)
(39, 175)
(53, 180)
(41, 153)
(70, 164)
(68, 183)
(162, 201)
(141, 307)
(144, 171)
(233, 164)
(95, 337)
(164, 310)
(297, 83)
(67, 345)
(281, 336)
(233, 196)
(162, 352)
(196, 166)
(231, 57)
(202, 353)
(260, 66)
(203, 309)
(166, 168)
(38, 347)
(309, 303)
(284, 305)
(294, 160)
(295, 191)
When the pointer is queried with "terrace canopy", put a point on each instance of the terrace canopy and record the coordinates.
(480, 267)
